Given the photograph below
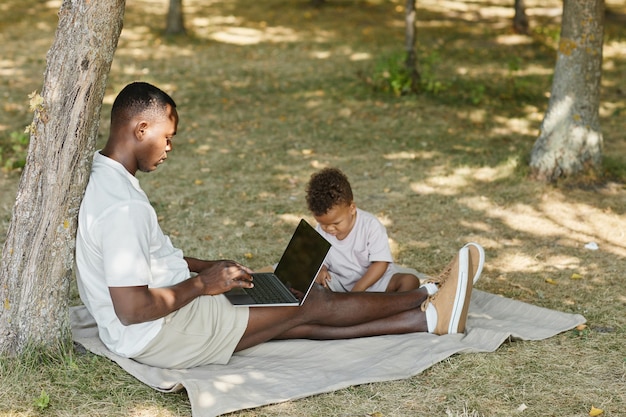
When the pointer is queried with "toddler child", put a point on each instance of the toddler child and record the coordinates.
(360, 257)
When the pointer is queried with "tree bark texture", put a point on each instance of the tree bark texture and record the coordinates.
(570, 141)
(175, 21)
(38, 254)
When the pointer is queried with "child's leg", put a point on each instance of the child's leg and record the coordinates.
(403, 282)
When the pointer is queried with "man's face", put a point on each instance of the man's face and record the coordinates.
(339, 220)
(156, 139)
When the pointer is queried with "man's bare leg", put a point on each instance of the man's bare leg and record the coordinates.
(407, 322)
(329, 315)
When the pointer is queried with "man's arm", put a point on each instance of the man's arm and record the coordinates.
(138, 304)
(373, 274)
(197, 265)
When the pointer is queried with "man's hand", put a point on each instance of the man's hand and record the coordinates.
(222, 276)
(139, 304)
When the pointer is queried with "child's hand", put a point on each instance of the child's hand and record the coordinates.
(323, 278)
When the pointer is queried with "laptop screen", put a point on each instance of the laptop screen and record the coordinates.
(302, 258)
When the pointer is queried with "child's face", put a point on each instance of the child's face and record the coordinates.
(339, 220)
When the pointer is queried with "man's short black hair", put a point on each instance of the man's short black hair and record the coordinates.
(326, 189)
(139, 97)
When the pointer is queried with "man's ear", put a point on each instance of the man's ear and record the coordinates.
(140, 129)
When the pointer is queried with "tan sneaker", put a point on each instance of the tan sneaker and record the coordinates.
(476, 260)
(443, 276)
(453, 298)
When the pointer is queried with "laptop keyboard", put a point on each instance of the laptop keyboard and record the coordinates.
(267, 291)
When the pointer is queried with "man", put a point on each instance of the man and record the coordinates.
(160, 308)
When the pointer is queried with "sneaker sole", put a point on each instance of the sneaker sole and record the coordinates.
(461, 290)
(481, 259)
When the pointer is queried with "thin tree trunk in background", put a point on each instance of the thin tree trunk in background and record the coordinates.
(570, 141)
(38, 254)
(410, 40)
(175, 20)
(520, 20)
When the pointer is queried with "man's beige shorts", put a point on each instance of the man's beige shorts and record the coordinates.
(205, 331)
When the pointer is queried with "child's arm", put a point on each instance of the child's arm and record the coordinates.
(373, 274)
(323, 277)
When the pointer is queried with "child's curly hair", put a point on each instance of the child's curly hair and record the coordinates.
(326, 189)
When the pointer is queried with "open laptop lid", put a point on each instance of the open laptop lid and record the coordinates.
(303, 258)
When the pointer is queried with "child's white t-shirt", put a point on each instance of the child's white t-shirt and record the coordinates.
(349, 259)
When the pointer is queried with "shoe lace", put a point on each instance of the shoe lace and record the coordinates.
(439, 280)
(441, 277)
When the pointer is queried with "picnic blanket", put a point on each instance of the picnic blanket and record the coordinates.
(279, 371)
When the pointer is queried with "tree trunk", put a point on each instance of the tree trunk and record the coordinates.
(175, 21)
(38, 254)
(520, 20)
(410, 37)
(571, 141)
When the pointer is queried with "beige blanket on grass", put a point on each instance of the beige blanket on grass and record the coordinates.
(279, 371)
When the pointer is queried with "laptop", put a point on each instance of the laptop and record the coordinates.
(298, 266)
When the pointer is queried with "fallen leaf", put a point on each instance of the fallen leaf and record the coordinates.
(581, 327)
(203, 149)
(521, 287)
(595, 411)
(550, 281)
(248, 255)
(576, 276)
(198, 182)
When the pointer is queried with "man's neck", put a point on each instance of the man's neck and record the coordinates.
(121, 157)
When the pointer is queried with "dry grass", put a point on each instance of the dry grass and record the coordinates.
(270, 91)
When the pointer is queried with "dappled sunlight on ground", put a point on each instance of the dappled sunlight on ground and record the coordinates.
(411, 155)
(497, 9)
(251, 36)
(613, 49)
(569, 223)
(514, 125)
(151, 411)
(463, 179)
(294, 219)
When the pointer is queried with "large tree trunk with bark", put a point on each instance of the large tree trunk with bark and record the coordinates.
(38, 254)
(570, 141)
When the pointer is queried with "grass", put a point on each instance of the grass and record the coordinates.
(263, 108)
